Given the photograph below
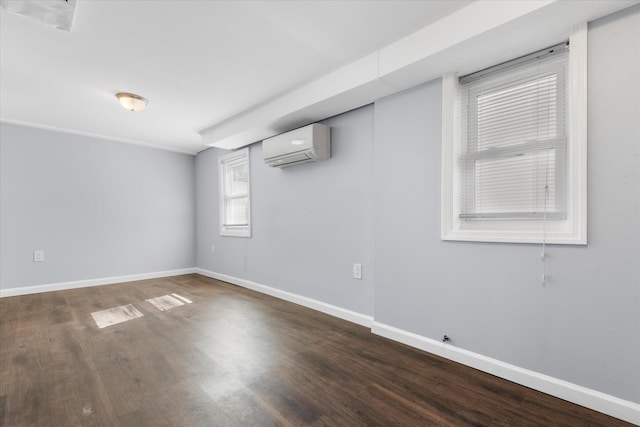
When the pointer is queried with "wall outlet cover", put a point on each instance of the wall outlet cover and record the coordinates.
(357, 271)
(38, 255)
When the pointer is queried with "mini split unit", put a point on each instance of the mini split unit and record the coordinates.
(307, 144)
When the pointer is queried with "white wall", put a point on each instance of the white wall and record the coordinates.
(582, 327)
(103, 209)
(310, 222)
(97, 208)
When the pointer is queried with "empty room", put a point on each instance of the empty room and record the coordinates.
(319, 213)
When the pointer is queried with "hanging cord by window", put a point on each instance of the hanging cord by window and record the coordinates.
(543, 256)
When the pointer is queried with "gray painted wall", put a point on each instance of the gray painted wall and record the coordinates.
(584, 325)
(310, 223)
(98, 208)
(101, 209)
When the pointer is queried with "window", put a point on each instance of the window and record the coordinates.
(513, 140)
(514, 149)
(235, 212)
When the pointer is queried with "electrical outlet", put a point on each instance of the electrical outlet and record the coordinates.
(213, 248)
(357, 271)
(38, 255)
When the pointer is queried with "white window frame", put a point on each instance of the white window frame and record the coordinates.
(573, 229)
(238, 156)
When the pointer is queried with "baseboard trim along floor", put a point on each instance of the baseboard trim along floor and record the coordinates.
(342, 313)
(592, 399)
(62, 286)
(583, 396)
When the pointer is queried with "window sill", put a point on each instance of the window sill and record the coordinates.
(505, 236)
(243, 232)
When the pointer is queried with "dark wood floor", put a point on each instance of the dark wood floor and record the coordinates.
(236, 358)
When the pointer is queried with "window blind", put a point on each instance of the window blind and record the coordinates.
(513, 144)
(236, 194)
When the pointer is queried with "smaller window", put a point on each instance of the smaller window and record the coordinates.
(234, 194)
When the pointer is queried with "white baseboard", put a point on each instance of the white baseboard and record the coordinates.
(592, 399)
(10, 292)
(598, 401)
(332, 310)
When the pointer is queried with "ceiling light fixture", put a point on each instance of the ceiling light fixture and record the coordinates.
(131, 101)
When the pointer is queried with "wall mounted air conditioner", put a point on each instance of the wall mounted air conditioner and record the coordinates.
(307, 144)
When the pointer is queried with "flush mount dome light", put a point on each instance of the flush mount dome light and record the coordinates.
(131, 101)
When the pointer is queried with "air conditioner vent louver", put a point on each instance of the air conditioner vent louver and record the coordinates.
(307, 144)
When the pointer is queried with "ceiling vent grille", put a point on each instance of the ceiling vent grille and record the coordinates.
(55, 13)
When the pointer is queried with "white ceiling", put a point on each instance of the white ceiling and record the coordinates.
(198, 62)
(228, 73)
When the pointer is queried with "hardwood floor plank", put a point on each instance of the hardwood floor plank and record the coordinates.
(3, 410)
(234, 357)
(286, 397)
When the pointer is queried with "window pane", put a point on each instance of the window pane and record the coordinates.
(513, 142)
(516, 184)
(238, 179)
(234, 193)
(237, 211)
(522, 112)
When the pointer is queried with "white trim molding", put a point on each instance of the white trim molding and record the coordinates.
(339, 312)
(577, 147)
(98, 136)
(573, 230)
(230, 160)
(592, 399)
(449, 170)
(62, 286)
